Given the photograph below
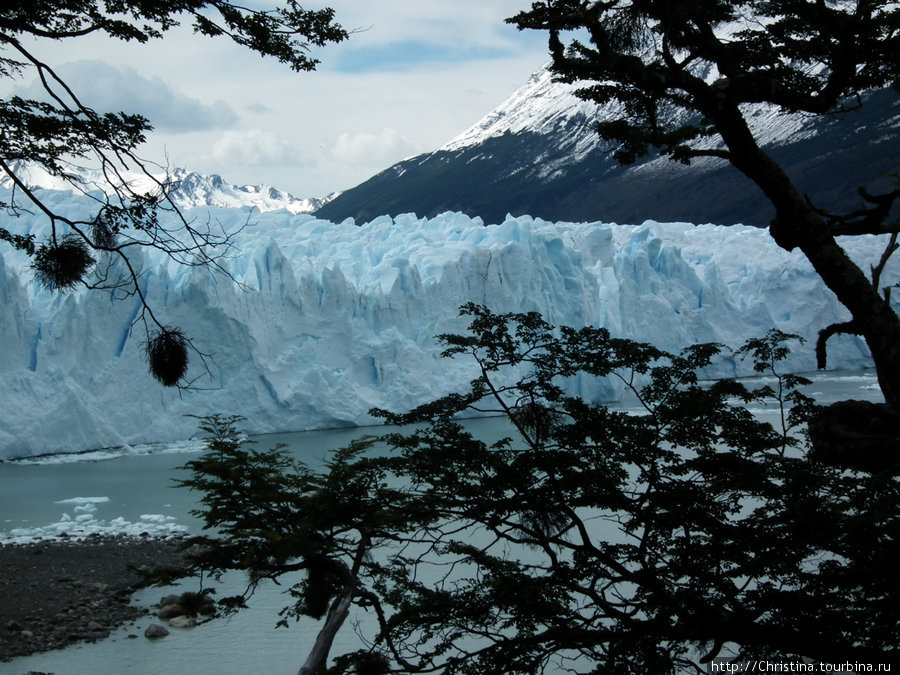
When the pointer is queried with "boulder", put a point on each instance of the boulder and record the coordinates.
(169, 611)
(183, 622)
(155, 631)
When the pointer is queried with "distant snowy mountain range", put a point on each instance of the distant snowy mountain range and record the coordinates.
(187, 189)
(538, 153)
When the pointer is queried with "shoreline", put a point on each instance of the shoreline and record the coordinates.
(63, 591)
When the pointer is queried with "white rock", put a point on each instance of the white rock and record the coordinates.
(182, 622)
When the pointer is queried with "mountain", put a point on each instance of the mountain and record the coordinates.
(187, 189)
(193, 189)
(538, 154)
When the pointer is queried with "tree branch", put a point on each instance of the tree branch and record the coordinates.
(864, 220)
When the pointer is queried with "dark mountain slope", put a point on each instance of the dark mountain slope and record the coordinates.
(537, 154)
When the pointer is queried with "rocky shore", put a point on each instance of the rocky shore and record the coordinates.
(59, 592)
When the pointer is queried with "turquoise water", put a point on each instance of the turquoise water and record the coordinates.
(110, 495)
(136, 492)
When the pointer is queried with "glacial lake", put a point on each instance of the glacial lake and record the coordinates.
(111, 492)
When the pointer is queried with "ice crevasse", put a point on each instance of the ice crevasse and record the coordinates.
(322, 321)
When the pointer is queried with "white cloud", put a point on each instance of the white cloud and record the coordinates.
(372, 149)
(108, 88)
(255, 147)
(334, 123)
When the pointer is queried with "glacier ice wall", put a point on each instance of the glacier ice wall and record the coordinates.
(327, 320)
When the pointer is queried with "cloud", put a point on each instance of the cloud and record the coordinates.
(108, 88)
(258, 108)
(255, 147)
(372, 149)
(332, 121)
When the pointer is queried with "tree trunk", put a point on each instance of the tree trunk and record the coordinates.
(317, 660)
(797, 225)
(877, 321)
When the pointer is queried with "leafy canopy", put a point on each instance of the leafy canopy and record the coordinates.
(689, 74)
(588, 538)
(679, 66)
(61, 134)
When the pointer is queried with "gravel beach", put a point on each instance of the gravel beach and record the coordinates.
(59, 592)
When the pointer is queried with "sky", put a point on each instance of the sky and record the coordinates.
(413, 75)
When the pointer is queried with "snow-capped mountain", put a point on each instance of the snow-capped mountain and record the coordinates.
(186, 189)
(538, 153)
(192, 189)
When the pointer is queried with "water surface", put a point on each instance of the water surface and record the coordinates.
(111, 492)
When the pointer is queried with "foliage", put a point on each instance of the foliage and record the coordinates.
(62, 264)
(592, 539)
(688, 74)
(679, 68)
(274, 516)
(167, 354)
(62, 134)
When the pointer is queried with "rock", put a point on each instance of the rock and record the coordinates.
(169, 600)
(57, 594)
(155, 631)
(183, 622)
(168, 611)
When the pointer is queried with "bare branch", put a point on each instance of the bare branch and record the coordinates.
(865, 220)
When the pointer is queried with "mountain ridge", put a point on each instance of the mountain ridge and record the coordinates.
(186, 189)
(538, 153)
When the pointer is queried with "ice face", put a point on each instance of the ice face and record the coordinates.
(325, 320)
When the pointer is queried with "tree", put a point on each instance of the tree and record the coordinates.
(274, 517)
(62, 133)
(685, 72)
(588, 539)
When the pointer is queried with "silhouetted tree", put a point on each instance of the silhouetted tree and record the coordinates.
(587, 540)
(62, 133)
(687, 73)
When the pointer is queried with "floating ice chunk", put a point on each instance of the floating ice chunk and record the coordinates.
(86, 524)
(83, 500)
(156, 518)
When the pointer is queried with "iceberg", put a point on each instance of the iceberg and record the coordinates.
(322, 321)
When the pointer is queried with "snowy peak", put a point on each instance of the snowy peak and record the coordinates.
(190, 189)
(546, 107)
(542, 105)
(186, 189)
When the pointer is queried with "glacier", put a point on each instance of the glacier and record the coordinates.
(322, 321)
